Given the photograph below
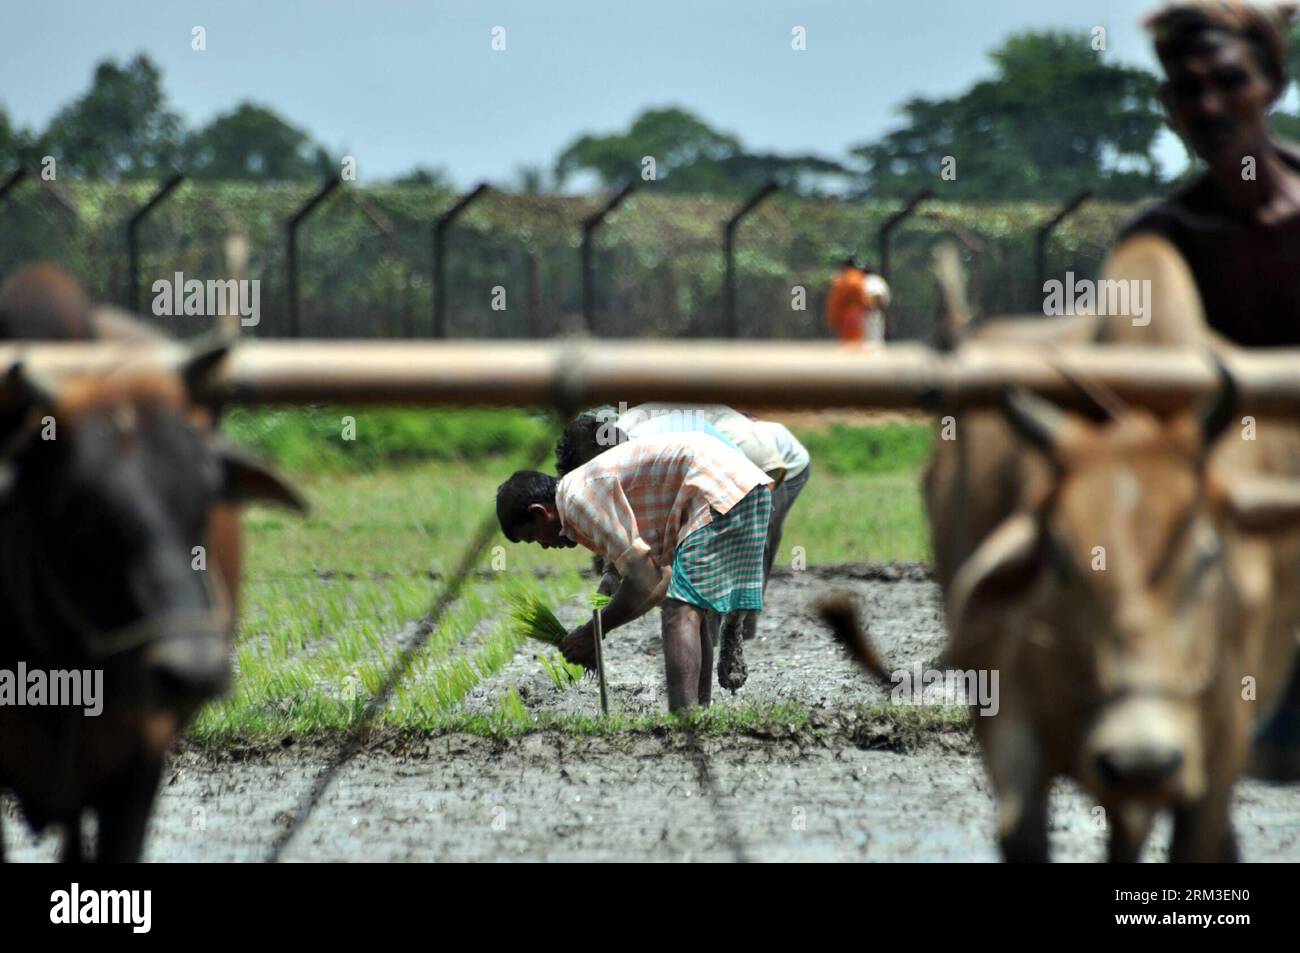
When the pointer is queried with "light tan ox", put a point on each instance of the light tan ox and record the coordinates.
(1128, 678)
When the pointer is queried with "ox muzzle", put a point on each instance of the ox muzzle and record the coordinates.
(1145, 744)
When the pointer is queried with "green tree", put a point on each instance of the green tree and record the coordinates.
(423, 175)
(675, 139)
(690, 156)
(531, 179)
(16, 145)
(120, 128)
(254, 143)
(1287, 124)
(1053, 120)
(800, 174)
(8, 136)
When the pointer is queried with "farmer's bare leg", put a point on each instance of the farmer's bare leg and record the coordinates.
(710, 631)
(775, 525)
(783, 500)
(683, 629)
(749, 625)
(731, 657)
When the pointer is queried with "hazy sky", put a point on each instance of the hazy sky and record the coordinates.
(399, 84)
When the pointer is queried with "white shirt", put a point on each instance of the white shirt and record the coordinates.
(794, 455)
(878, 288)
(735, 426)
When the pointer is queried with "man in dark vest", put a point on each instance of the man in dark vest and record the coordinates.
(1223, 251)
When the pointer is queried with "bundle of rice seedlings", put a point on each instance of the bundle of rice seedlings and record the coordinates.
(533, 618)
(561, 673)
(599, 600)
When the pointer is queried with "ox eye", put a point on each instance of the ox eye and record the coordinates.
(1209, 549)
(1206, 555)
(1206, 559)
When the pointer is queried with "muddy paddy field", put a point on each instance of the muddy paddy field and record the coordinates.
(813, 767)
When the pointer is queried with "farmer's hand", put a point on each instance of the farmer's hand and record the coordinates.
(661, 588)
(579, 647)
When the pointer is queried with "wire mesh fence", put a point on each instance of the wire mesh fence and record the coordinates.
(512, 262)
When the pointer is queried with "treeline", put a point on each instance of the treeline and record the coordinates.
(1056, 116)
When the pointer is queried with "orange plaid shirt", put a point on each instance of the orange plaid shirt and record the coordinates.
(649, 494)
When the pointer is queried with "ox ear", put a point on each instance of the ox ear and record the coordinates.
(1263, 504)
(245, 478)
(200, 366)
(29, 389)
(998, 570)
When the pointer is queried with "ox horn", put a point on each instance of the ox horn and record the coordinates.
(952, 285)
(1039, 422)
(1220, 410)
(30, 388)
(993, 574)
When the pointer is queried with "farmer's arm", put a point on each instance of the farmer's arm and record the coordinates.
(602, 513)
(642, 586)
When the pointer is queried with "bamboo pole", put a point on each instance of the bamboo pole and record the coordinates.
(575, 373)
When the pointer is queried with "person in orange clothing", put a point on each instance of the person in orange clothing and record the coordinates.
(855, 306)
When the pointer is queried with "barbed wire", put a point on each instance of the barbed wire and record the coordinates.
(352, 741)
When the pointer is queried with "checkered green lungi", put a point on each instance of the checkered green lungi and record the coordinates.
(720, 565)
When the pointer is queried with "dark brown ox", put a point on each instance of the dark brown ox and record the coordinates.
(107, 486)
(41, 302)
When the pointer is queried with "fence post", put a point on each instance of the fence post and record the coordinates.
(729, 253)
(1045, 232)
(534, 295)
(133, 238)
(440, 227)
(589, 226)
(19, 175)
(332, 183)
(893, 222)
